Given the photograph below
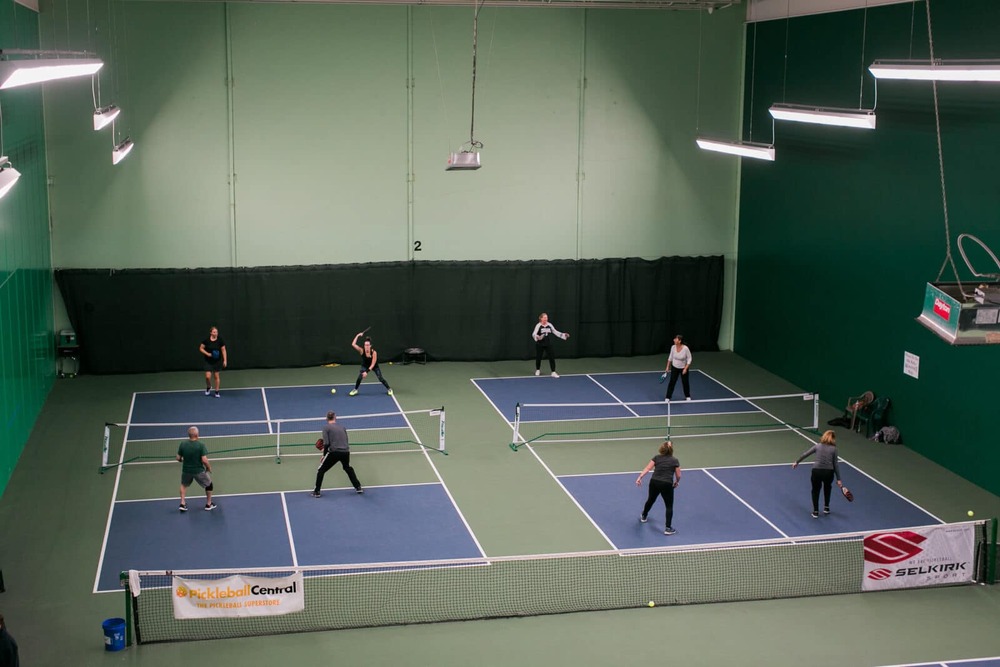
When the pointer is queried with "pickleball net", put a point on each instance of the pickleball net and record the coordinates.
(135, 443)
(656, 421)
(381, 594)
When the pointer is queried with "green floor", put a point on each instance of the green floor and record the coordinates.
(54, 512)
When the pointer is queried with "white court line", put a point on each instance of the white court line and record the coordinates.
(114, 497)
(267, 411)
(782, 421)
(748, 505)
(946, 663)
(490, 401)
(271, 493)
(288, 530)
(572, 498)
(447, 491)
(612, 395)
(890, 490)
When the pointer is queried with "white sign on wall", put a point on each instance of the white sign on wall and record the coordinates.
(911, 364)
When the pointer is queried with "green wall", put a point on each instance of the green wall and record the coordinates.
(839, 236)
(27, 366)
(301, 134)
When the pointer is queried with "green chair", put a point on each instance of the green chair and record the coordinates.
(872, 416)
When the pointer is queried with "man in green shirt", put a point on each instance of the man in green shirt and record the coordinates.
(195, 467)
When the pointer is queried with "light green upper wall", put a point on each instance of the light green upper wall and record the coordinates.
(321, 132)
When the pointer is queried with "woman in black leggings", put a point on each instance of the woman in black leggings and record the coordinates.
(666, 476)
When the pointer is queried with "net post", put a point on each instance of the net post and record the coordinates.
(669, 418)
(107, 446)
(124, 582)
(516, 428)
(277, 443)
(815, 411)
(441, 429)
(991, 557)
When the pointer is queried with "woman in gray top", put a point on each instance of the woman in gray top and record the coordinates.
(824, 470)
(666, 476)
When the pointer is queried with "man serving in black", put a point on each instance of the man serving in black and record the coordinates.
(335, 450)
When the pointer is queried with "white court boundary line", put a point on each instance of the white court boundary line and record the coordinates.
(114, 498)
(284, 506)
(877, 481)
(288, 530)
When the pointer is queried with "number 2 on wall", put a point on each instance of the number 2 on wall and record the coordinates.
(416, 246)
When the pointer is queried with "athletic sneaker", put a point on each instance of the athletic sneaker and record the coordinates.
(643, 519)
(208, 392)
(218, 395)
(209, 508)
(669, 531)
(353, 392)
(359, 490)
(389, 392)
(183, 507)
(826, 510)
(688, 398)
(815, 514)
(537, 372)
(316, 494)
(554, 374)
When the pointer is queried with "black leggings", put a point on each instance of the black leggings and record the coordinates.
(664, 490)
(674, 372)
(544, 348)
(824, 478)
(332, 458)
(378, 373)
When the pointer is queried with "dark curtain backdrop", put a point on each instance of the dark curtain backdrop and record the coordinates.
(141, 320)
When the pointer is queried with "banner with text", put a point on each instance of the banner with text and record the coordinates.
(932, 556)
(237, 596)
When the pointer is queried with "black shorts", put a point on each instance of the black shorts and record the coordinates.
(212, 365)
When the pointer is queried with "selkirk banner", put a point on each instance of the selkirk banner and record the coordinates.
(237, 596)
(912, 558)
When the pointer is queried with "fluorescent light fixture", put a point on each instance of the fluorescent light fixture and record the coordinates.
(8, 176)
(15, 73)
(937, 70)
(104, 116)
(466, 160)
(121, 150)
(744, 149)
(861, 118)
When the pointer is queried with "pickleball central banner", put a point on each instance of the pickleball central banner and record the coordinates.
(932, 556)
(237, 596)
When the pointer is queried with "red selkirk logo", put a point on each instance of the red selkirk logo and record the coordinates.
(888, 548)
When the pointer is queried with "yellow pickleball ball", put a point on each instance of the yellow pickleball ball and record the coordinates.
(652, 604)
(971, 513)
(333, 391)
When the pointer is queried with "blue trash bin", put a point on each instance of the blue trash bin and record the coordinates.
(114, 634)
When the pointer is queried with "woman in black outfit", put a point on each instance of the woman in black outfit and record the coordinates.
(666, 476)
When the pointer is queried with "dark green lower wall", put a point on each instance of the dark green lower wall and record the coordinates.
(154, 320)
(839, 236)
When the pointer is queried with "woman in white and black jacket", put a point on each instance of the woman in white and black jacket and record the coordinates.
(541, 334)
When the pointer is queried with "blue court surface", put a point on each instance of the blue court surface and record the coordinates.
(620, 390)
(166, 415)
(719, 505)
(385, 524)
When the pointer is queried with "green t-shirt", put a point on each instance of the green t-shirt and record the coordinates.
(191, 452)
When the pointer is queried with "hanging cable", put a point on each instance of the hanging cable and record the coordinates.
(475, 37)
(948, 258)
